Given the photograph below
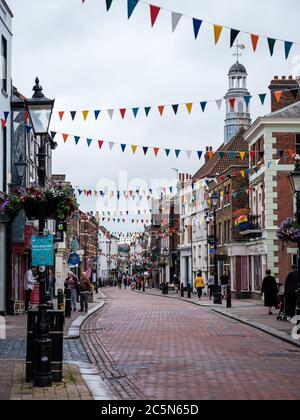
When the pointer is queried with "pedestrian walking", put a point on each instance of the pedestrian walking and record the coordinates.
(85, 289)
(290, 292)
(51, 283)
(211, 285)
(72, 283)
(125, 282)
(224, 285)
(269, 290)
(29, 280)
(199, 284)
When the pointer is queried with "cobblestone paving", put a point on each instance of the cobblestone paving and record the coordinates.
(152, 348)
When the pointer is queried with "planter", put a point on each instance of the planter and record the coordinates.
(36, 210)
(52, 205)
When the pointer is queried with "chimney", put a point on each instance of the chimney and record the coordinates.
(290, 92)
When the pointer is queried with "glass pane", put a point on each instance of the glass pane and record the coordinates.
(40, 120)
(245, 274)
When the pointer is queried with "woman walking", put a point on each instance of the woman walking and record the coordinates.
(199, 284)
(269, 289)
(85, 287)
(72, 283)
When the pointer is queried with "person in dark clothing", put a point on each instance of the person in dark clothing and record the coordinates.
(291, 286)
(224, 285)
(269, 289)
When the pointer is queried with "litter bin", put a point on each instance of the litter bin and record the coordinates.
(56, 331)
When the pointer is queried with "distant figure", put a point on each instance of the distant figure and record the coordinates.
(85, 288)
(125, 282)
(211, 285)
(29, 280)
(269, 289)
(199, 284)
(72, 282)
(51, 283)
(291, 286)
(224, 285)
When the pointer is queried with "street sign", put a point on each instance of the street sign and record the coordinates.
(74, 259)
(42, 250)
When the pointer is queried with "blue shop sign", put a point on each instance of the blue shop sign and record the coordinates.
(74, 260)
(42, 250)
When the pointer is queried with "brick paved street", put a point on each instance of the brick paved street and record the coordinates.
(154, 348)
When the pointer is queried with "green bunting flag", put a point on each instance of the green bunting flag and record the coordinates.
(147, 110)
(131, 6)
(287, 48)
(108, 4)
(271, 43)
(262, 98)
(77, 139)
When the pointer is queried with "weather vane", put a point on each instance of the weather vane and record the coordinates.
(238, 48)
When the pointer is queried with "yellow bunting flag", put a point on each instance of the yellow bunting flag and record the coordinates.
(278, 95)
(134, 149)
(189, 107)
(243, 174)
(217, 32)
(85, 115)
(242, 154)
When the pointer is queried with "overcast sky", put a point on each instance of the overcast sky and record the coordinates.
(87, 58)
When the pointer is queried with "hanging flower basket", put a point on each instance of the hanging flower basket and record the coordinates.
(289, 231)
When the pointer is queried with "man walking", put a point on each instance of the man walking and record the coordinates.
(52, 282)
(291, 286)
(29, 280)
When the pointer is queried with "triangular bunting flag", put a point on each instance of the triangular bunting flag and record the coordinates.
(262, 98)
(243, 173)
(26, 116)
(145, 150)
(131, 6)
(28, 128)
(217, 32)
(65, 137)
(242, 155)
(85, 115)
(61, 115)
(287, 48)
(154, 11)
(278, 95)
(221, 154)
(100, 144)
(254, 40)
(123, 147)
(175, 20)
(175, 108)
(73, 114)
(233, 35)
(53, 134)
(232, 155)
(232, 102)
(211, 154)
(189, 107)
(97, 113)
(177, 153)
(247, 99)
(271, 43)
(77, 139)
(147, 110)
(111, 145)
(167, 152)
(123, 112)
(6, 114)
(110, 113)
(135, 111)
(281, 153)
(219, 103)
(295, 92)
(161, 109)
(203, 105)
(189, 154)
(108, 4)
(134, 149)
(156, 151)
(89, 142)
(197, 25)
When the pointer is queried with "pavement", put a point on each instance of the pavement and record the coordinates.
(148, 348)
(78, 374)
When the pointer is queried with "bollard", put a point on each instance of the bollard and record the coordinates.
(60, 300)
(32, 322)
(228, 300)
(68, 303)
(56, 326)
(182, 290)
(189, 291)
(42, 376)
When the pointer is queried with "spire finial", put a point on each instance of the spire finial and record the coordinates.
(238, 48)
(38, 90)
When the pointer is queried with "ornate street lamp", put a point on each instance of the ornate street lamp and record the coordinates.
(217, 289)
(295, 182)
(20, 167)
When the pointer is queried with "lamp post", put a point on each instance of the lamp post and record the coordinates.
(295, 182)
(40, 111)
(21, 167)
(217, 289)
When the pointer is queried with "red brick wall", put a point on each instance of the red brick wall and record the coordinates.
(287, 98)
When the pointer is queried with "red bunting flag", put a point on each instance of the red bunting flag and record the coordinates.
(61, 115)
(123, 112)
(156, 151)
(232, 102)
(154, 11)
(254, 39)
(65, 137)
(26, 117)
(161, 109)
(100, 143)
(3, 122)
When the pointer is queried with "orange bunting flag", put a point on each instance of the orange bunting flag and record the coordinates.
(61, 115)
(134, 149)
(217, 32)
(65, 137)
(254, 39)
(278, 95)
(85, 115)
(189, 107)
(211, 154)
(156, 151)
(161, 109)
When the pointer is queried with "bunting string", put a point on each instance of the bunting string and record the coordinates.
(216, 29)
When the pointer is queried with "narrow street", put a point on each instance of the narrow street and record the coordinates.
(147, 347)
